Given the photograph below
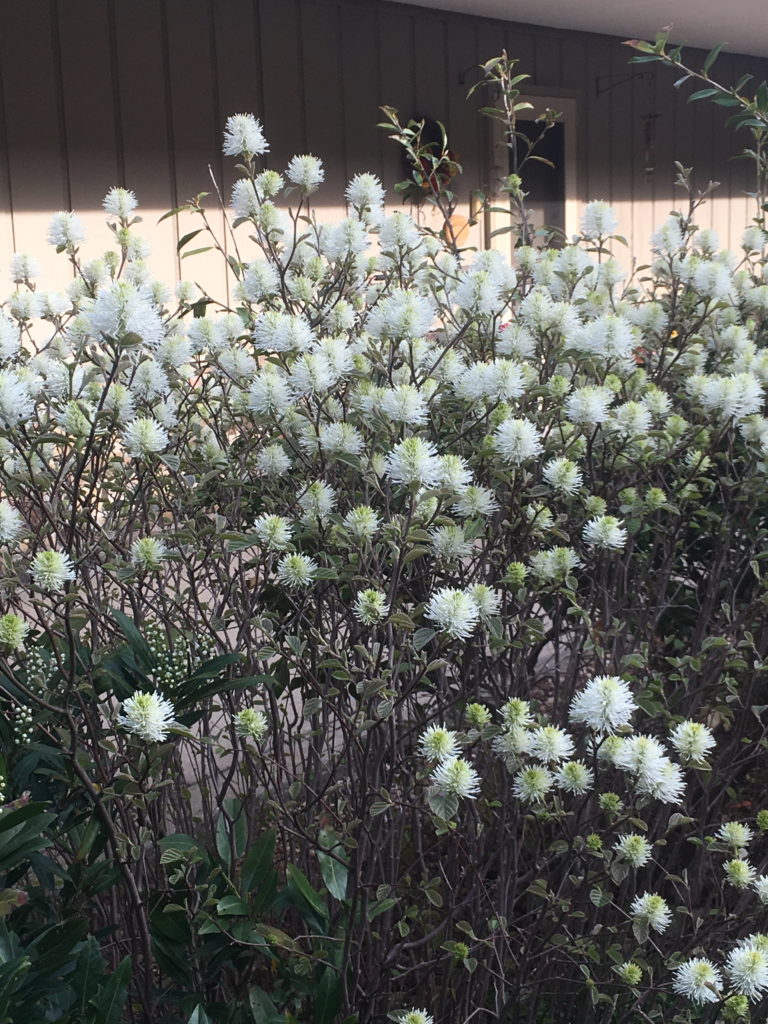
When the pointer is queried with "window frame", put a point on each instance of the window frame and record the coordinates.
(539, 97)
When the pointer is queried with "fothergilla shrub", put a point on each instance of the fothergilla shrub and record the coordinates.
(392, 635)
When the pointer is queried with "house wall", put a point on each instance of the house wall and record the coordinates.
(101, 92)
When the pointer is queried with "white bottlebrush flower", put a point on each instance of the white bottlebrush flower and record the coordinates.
(345, 240)
(516, 712)
(733, 397)
(144, 436)
(260, 281)
(370, 606)
(311, 374)
(10, 338)
(640, 755)
(517, 441)
(24, 268)
(550, 744)
(760, 884)
(415, 1016)
(739, 873)
(362, 522)
(245, 201)
(273, 460)
(605, 532)
(269, 184)
(404, 404)
(365, 192)
(668, 240)
(608, 337)
(120, 202)
(455, 776)
(630, 419)
(65, 230)
(147, 715)
(51, 570)
(475, 501)
(269, 393)
(150, 380)
(712, 280)
(488, 601)
(251, 724)
(692, 741)
(589, 406)
(449, 544)
(747, 969)
(24, 305)
(401, 315)
(413, 461)
(653, 910)
(604, 705)
(437, 743)
(598, 220)
(735, 834)
(554, 564)
(634, 849)
(121, 309)
(699, 980)
(455, 475)
(274, 532)
(317, 502)
(305, 171)
(753, 239)
(454, 611)
(281, 332)
(11, 523)
(574, 777)
(479, 292)
(563, 475)
(511, 742)
(16, 402)
(148, 553)
(295, 571)
(13, 630)
(665, 782)
(243, 134)
(531, 785)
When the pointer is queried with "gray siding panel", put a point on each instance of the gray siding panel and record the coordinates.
(97, 92)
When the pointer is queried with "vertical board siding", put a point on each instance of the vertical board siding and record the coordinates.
(37, 165)
(147, 128)
(100, 92)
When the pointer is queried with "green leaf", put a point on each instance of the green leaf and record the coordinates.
(333, 865)
(328, 999)
(303, 893)
(111, 996)
(232, 905)
(187, 238)
(136, 641)
(196, 252)
(173, 462)
(702, 94)
(421, 638)
(444, 805)
(262, 1008)
(231, 835)
(258, 861)
(199, 1016)
(175, 211)
(712, 57)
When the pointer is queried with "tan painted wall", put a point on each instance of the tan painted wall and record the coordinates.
(135, 92)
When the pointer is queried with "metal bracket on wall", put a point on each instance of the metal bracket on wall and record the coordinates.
(617, 80)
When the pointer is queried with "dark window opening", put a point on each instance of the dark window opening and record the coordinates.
(544, 184)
